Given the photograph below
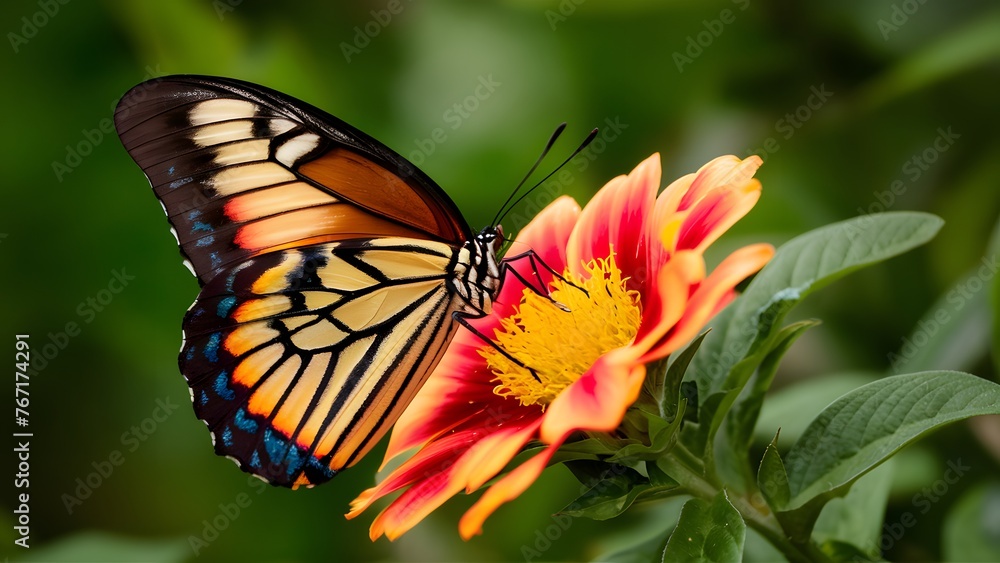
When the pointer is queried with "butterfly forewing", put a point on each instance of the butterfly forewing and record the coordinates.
(327, 262)
(242, 170)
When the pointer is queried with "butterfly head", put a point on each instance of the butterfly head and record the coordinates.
(479, 282)
(490, 234)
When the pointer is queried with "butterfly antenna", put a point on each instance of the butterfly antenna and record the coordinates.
(545, 151)
(586, 142)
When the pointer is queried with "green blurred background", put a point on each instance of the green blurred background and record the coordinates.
(844, 100)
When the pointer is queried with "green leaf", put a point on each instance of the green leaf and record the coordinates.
(856, 519)
(707, 531)
(658, 477)
(742, 332)
(587, 449)
(643, 540)
(863, 428)
(613, 490)
(733, 449)
(641, 552)
(792, 408)
(663, 436)
(972, 526)
(743, 418)
(670, 396)
(772, 480)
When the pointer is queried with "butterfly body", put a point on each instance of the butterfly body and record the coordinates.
(333, 272)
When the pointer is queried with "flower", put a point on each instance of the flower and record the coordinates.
(633, 289)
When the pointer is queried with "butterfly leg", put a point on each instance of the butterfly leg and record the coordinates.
(464, 321)
(534, 260)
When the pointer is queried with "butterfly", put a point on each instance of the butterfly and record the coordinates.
(333, 272)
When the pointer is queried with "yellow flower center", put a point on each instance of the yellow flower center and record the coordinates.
(560, 345)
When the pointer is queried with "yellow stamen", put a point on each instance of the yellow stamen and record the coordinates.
(561, 345)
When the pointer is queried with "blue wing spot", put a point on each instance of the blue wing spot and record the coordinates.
(204, 227)
(294, 460)
(222, 386)
(255, 460)
(227, 437)
(178, 183)
(273, 444)
(194, 214)
(212, 348)
(190, 352)
(170, 171)
(204, 398)
(216, 261)
(225, 305)
(205, 241)
(314, 463)
(245, 423)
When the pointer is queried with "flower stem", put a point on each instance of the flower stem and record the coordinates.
(761, 520)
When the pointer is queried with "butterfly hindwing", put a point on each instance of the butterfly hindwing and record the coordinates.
(242, 170)
(297, 360)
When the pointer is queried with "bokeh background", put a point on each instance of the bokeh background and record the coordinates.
(856, 106)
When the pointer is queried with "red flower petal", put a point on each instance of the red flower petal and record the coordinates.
(428, 460)
(506, 489)
(714, 214)
(704, 303)
(615, 219)
(485, 459)
(667, 302)
(598, 400)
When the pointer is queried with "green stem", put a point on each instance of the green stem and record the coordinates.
(763, 521)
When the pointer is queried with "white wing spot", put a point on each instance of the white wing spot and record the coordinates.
(190, 267)
(295, 148)
(225, 132)
(279, 126)
(221, 109)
